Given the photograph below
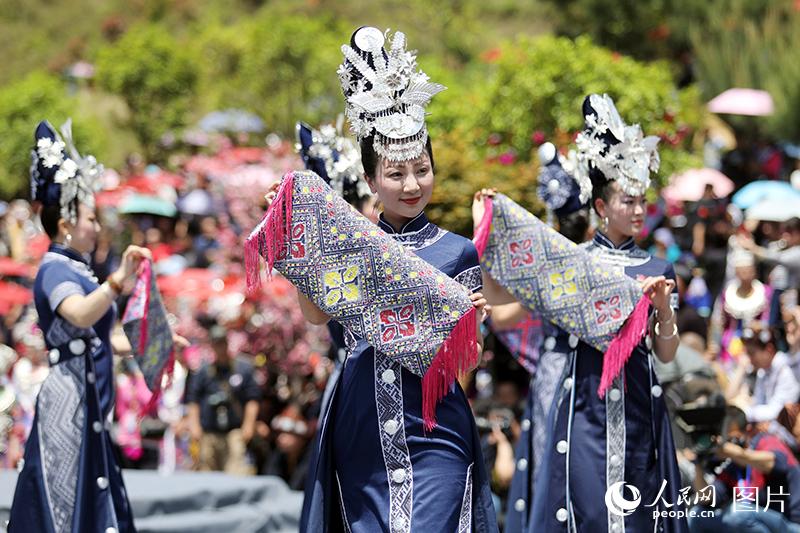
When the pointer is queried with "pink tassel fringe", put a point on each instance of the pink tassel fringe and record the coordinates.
(481, 238)
(620, 349)
(269, 237)
(457, 355)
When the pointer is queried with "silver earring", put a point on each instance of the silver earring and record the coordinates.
(605, 222)
(69, 239)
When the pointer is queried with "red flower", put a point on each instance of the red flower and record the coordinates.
(507, 158)
(538, 137)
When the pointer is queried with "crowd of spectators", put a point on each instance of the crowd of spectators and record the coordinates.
(245, 396)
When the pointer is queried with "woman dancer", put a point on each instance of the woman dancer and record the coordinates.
(70, 481)
(610, 464)
(366, 479)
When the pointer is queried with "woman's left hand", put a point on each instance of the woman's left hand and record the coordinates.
(659, 290)
(481, 306)
(180, 342)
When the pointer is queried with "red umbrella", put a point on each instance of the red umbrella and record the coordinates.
(12, 294)
(9, 267)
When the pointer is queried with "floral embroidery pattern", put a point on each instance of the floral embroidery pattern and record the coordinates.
(521, 253)
(397, 323)
(563, 284)
(341, 285)
(608, 310)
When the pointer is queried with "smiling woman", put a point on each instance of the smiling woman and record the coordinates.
(379, 467)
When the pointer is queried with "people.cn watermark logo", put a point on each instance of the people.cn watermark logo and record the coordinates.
(617, 503)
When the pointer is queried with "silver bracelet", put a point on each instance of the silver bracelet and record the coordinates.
(674, 331)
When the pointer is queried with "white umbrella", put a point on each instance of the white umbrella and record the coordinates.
(775, 210)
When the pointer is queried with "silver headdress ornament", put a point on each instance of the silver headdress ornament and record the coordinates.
(627, 158)
(340, 156)
(386, 94)
(77, 176)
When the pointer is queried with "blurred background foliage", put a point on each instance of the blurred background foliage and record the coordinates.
(517, 71)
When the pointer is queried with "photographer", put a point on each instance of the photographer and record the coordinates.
(775, 384)
(222, 404)
(754, 461)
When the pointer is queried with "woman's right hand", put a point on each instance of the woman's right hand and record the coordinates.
(131, 259)
(478, 205)
(272, 193)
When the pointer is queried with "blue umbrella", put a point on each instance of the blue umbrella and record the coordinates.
(231, 120)
(757, 191)
(151, 205)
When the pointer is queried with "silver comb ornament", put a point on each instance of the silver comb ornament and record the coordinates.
(628, 162)
(386, 94)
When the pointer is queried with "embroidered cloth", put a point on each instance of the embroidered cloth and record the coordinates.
(405, 308)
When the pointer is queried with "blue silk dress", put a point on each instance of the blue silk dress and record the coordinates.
(70, 481)
(376, 469)
(599, 446)
(536, 424)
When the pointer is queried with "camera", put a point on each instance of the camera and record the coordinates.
(702, 422)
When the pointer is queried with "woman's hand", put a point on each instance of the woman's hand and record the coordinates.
(478, 206)
(480, 305)
(272, 193)
(132, 257)
(659, 290)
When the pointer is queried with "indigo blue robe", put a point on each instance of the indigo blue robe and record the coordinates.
(70, 481)
(376, 468)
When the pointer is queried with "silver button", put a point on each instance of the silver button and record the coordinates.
(561, 515)
(614, 395)
(399, 523)
(656, 391)
(399, 475)
(77, 346)
(526, 425)
(391, 427)
(614, 460)
(111, 530)
(568, 383)
(549, 343)
(562, 446)
(388, 376)
(519, 505)
(102, 482)
(522, 464)
(90, 377)
(573, 341)
(20, 465)
(648, 342)
(54, 356)
(97, 426)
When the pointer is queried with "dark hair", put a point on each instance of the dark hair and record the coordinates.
(574, 225)
(370, 159)
(49, 216)
(601, 187)
(733, 416)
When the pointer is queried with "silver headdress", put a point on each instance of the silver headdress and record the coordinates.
(334, 157)
(59, 174)
(621, 152)
(385, 94)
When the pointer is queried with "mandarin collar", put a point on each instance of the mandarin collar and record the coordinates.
(415, 224)
(601, 240)
(68, 252)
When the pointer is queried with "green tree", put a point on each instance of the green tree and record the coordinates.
(486, 130)
(734, 50)
(156, 76)
(38, 96)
